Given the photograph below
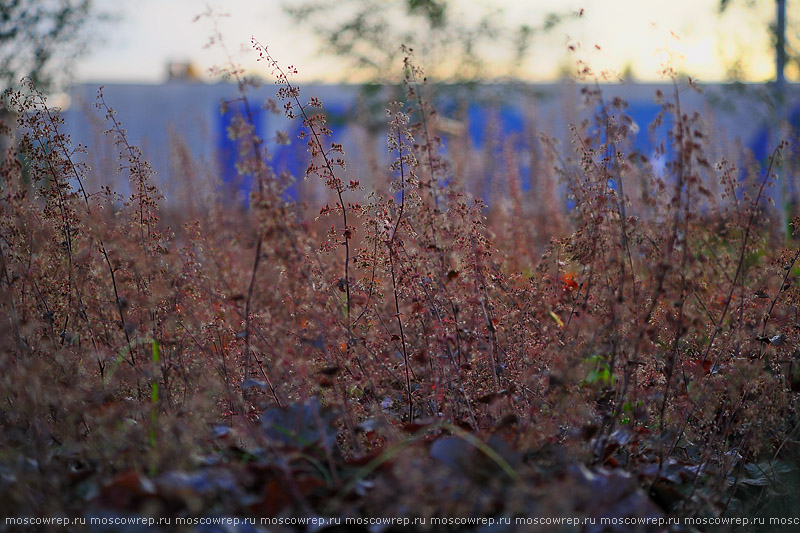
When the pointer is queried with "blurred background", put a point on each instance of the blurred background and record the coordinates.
(355, 40)
(504, 73)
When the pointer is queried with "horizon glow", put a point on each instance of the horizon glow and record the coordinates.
(620, 36)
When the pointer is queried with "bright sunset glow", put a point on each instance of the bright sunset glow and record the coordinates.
(632, 35)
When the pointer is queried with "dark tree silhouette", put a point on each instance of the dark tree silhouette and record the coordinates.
(783, 52)
(370, 33)
(40, 38)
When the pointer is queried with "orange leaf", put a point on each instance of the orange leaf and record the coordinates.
(569, 282)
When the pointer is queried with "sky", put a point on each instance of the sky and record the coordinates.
(636, 36)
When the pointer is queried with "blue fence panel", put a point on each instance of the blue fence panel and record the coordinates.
(490, 126)
(228, 150)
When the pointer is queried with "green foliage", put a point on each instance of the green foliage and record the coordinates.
(40, 39)
(600, 374)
